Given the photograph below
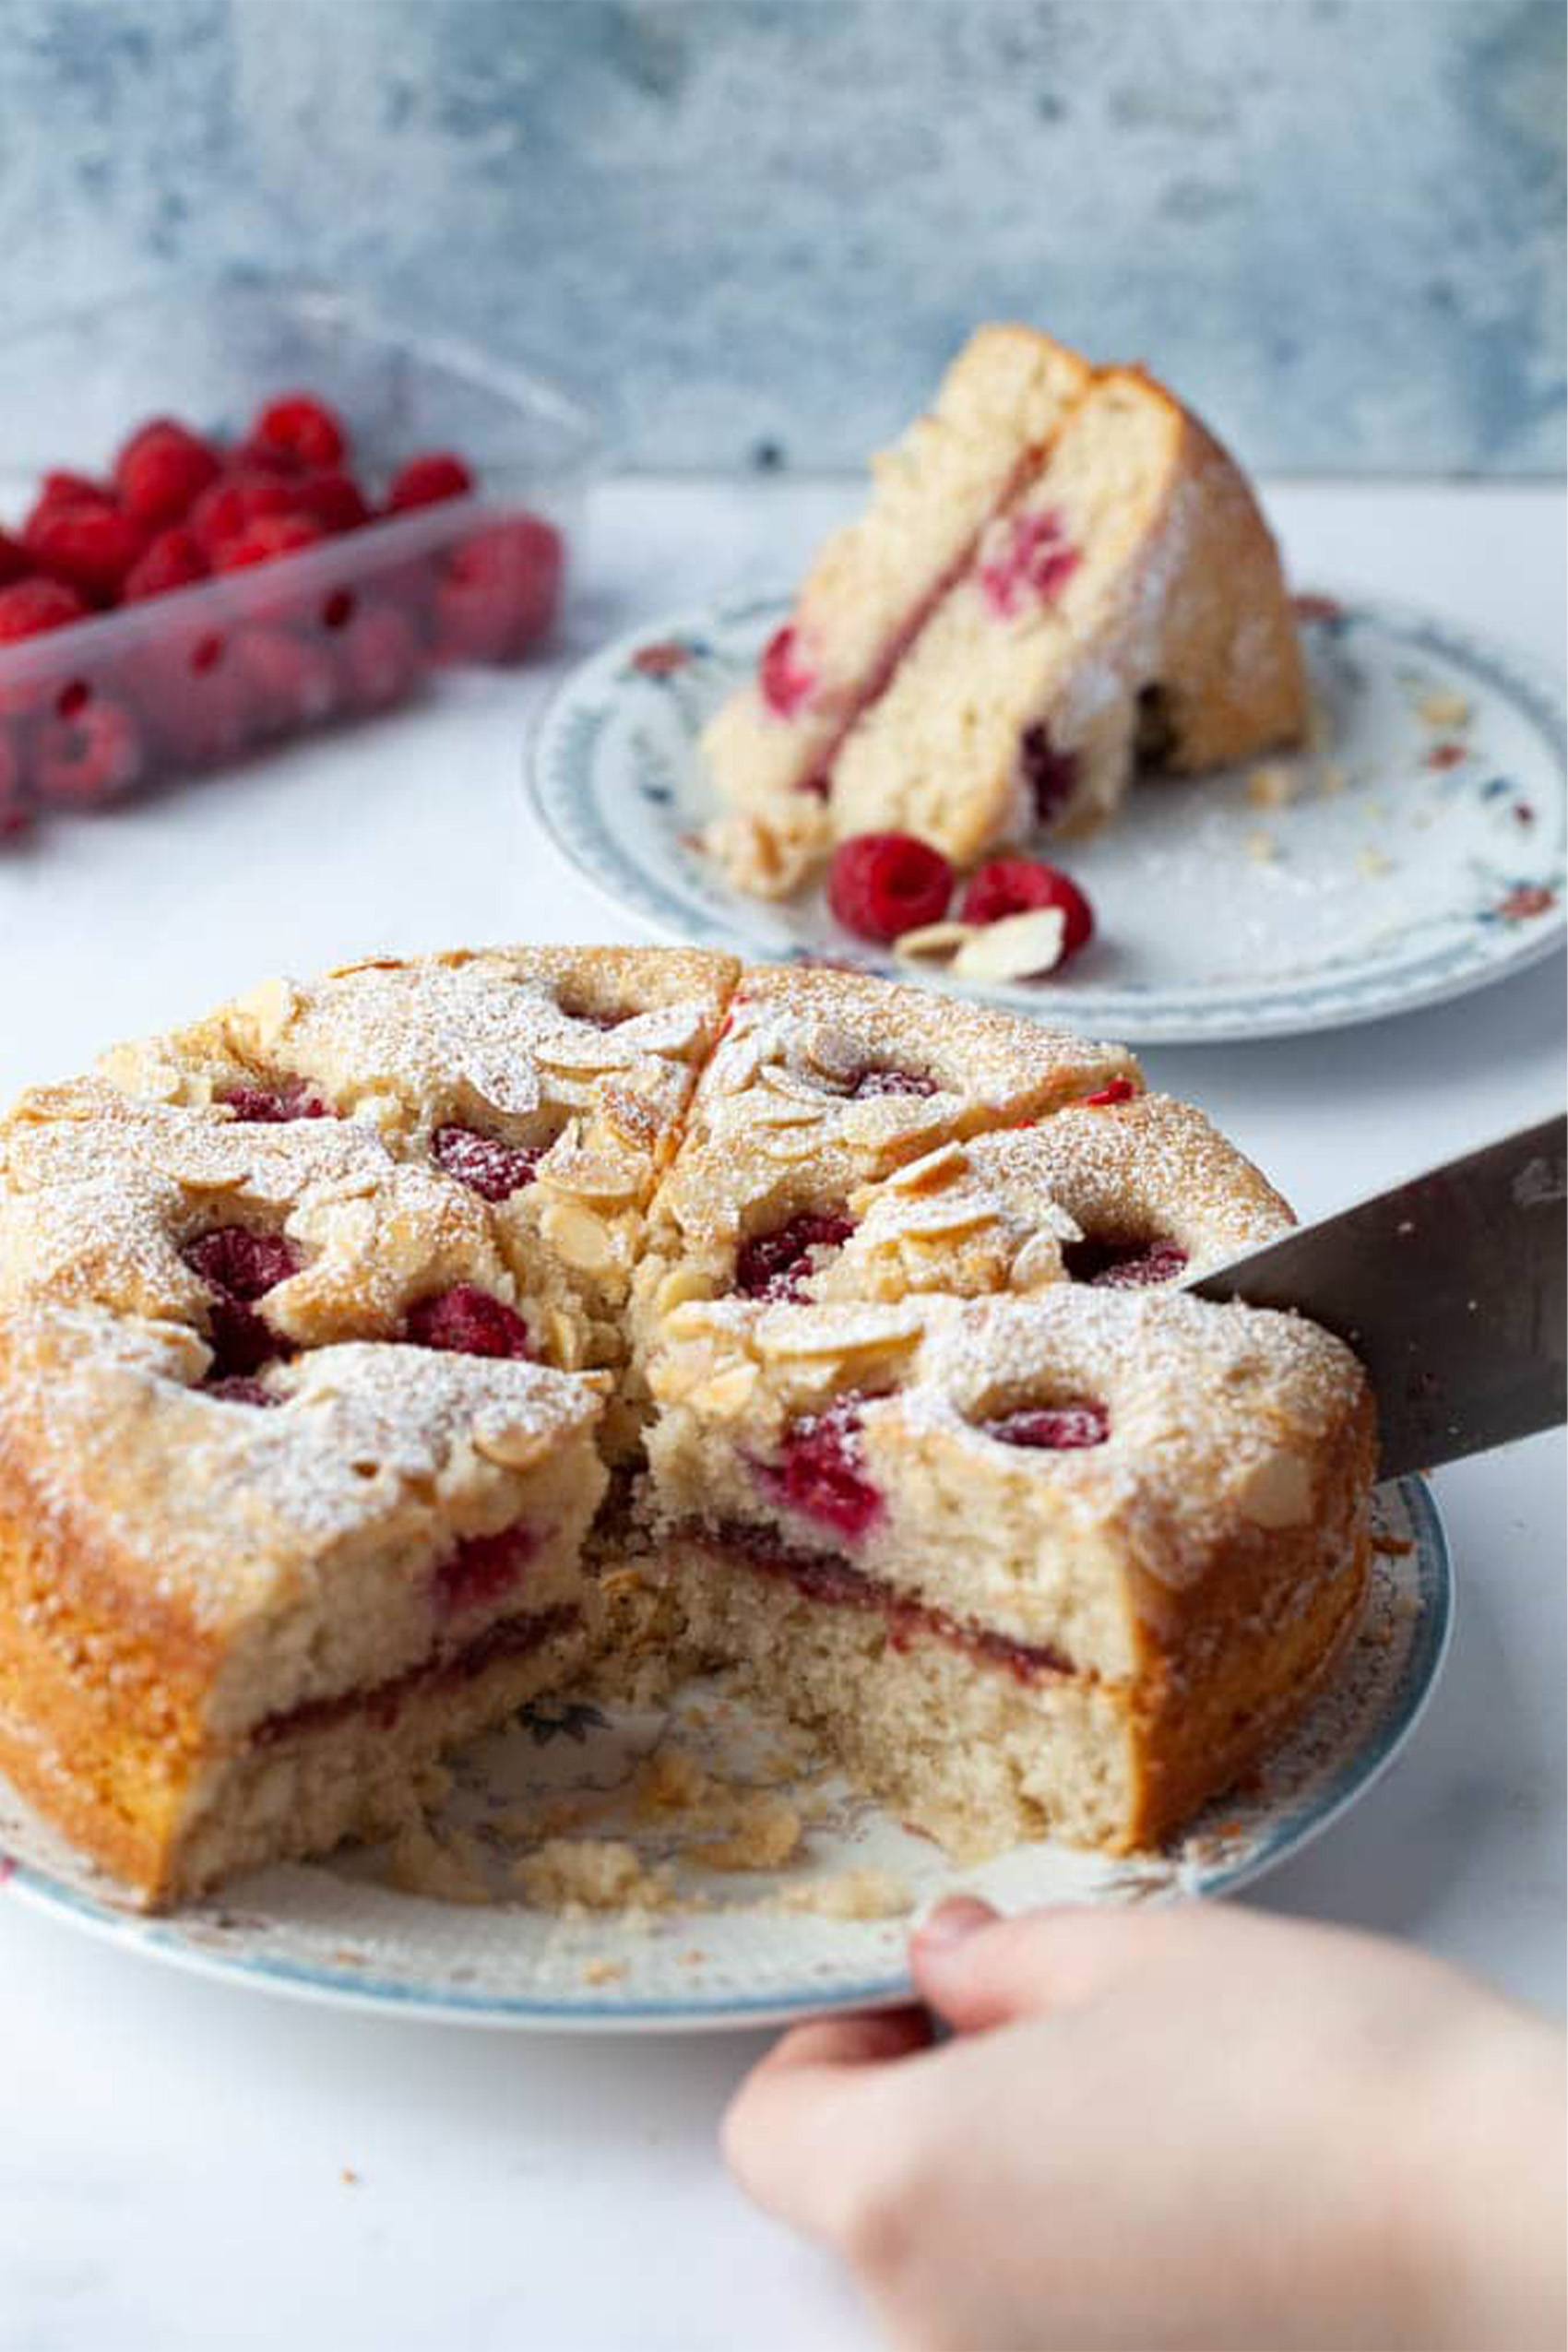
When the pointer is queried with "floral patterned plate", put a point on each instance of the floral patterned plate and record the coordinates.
(697, 1946)
(1417, 853)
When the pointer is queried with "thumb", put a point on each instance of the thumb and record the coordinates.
(976, 1969)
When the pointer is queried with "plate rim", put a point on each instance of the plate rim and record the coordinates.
(153, 1938)
(1527, 679)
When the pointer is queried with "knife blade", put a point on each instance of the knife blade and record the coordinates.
(1452, 1291)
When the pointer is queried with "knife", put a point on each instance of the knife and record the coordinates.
(1451, 1288)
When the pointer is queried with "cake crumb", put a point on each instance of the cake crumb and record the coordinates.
(599, 1873)
(671, 1781)
(1271, 787)
(694, 1958)
(1373, 864)
(851, 1895)
(600, 1971)
(764, 1836)
(444, 1872)
(1393, 1546)
(1262, 847)
(349, 2177)
(1442, 708)
(1333, 779)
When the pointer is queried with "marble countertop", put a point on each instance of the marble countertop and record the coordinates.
(185, 2165)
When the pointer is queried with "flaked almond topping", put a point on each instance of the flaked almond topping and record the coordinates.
(578, 1237)
(270, 1007)
(932, 1169)
(1015, 947)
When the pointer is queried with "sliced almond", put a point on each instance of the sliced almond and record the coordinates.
(847, 1332)
(512, 1448)
(1036, 1263)
(933, 1170)
(679, 1286)
(943, 1219)
(270, 1008)
(933, 939)
(578, 1237)
(728, 1392)
(1015, 947)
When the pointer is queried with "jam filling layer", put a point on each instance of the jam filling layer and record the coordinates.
(445, 1670)
(827, 1578)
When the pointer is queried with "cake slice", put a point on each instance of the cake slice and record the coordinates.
(772, 747)
(1122, 1194)
(826, 1081)
(1063, 1565)
(546, 1086)
(241, 1625)
(1127, 613)
(1117, 610)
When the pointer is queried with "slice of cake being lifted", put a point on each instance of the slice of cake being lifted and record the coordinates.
(1122, 611)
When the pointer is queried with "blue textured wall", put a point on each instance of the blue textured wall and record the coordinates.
(1335, 224)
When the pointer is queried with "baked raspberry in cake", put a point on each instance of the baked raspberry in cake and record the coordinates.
(1120, 611)
(325, 1321)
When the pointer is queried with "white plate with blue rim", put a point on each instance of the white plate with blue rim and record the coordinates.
(694, 1947)
(1416, 852)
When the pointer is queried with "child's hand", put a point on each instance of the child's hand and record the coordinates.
(1196, 2126)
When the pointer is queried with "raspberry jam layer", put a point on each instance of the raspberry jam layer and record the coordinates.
(445, 1670)
(827, 1579)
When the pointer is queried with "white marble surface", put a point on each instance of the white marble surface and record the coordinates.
(173, 2154)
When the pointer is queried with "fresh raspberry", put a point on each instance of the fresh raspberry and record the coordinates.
(301, 428)
(466, 1320)
(332, 498)
(777, 1265)
(499, 591)
(239, 1267)
(161, 470)
(1031, 564)
(29, 607)
(97, 755)
(174, 560)
(426, 481)
(275, 1106)
(868, 1084)
(236, 501)
(195, 699)
(1055, 1429)
(785, 677)
(238, 1389)
(1124, 1266)
(1011, 885)
(65, 489)
(87, 544)
(487, 1166)
(292, 683)
(381, 657)
(15, 813)
(16, 563)
(880, 885)
(820, 1473)
(484, 1569)
(1119, 1090)
(1049, 775)
(265, 539)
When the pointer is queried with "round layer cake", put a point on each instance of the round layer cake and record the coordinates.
(328, 1324)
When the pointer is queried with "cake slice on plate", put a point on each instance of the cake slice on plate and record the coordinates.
(1122, 611)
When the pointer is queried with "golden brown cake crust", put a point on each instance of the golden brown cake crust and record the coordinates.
(234, 1616)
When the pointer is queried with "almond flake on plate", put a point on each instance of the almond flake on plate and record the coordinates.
(1015, 947)
(933, 939)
